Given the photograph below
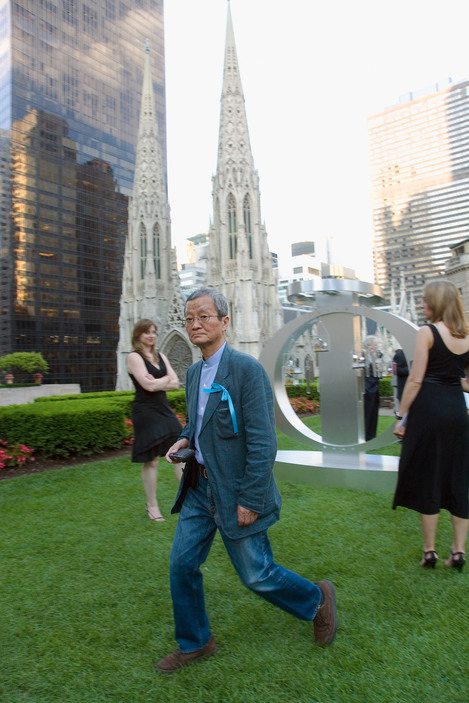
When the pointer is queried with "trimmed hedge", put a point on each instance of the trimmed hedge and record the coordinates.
(299, 391)
(87, 423)
(385, 387)
(87, 396)
(61, 429)
(176, 399)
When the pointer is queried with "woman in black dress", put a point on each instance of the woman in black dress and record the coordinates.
(434, 463)
(156, 427)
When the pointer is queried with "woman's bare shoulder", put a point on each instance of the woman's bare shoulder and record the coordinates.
(425, 332)
(134, 358)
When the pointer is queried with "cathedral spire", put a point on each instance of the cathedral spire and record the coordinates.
(234, 145)
(231, 69)
(240, 263)
(148, 122)
(149, 288)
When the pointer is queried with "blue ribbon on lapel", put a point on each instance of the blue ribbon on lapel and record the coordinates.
(216, 388)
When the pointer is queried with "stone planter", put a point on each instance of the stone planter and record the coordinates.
(38, 379)
(386, 401)
(9, 378)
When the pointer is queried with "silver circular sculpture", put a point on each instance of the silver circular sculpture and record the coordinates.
(337, 456)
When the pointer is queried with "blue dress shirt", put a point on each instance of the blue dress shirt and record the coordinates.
(207, 377)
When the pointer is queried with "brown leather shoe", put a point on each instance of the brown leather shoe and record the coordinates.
(176, 660)
(325, 622)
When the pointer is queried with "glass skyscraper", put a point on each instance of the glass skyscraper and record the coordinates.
(71, 75)
(420, 185)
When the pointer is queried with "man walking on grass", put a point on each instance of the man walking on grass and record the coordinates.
(229, 486)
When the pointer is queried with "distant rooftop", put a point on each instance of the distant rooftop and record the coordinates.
(428, 90)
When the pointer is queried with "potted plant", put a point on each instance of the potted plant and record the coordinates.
(9, 378)
(37, 378)
(21, 364)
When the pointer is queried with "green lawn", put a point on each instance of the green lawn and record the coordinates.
(314, 423)
(86, 610)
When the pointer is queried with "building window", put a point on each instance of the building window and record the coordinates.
(156, 250)
(90, 19)
(69, 11)
(143, 249)
(110, 10)
(247, 222)
(232, 227)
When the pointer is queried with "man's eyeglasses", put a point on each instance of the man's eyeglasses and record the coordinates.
(203, 319)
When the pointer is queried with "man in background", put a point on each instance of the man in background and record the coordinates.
(371, 397)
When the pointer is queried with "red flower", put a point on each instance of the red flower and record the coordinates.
(14, 455)
(304, 406)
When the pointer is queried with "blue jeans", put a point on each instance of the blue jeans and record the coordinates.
(251, 557)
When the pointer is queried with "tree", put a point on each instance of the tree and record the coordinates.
(20, 364)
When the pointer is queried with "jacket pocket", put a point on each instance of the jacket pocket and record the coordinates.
(223, 422)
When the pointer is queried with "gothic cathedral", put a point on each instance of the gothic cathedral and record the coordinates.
(150, 285)
(240, 263)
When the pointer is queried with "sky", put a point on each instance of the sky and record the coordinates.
(312, 73)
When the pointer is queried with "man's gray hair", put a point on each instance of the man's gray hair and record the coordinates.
(218, 298)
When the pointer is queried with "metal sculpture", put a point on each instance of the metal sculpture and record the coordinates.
(339, 456)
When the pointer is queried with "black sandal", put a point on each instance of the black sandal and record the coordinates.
(457, 559)
(429, 559)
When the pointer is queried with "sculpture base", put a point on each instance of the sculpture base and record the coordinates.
(364, 472)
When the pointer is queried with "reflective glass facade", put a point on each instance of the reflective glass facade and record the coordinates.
(71, 75)
(420, 186)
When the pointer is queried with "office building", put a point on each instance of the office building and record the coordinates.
(193, 272)
(71, 76)
(457, 270)
(420, 185)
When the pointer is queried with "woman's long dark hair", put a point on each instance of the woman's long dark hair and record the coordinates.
(139, 328)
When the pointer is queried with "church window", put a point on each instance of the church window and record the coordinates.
(232, 227)
(156, 250)
(247, 222)
(143, 249)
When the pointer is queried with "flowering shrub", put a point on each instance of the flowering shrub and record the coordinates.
(14, 455)
(181, 419)
(304, 406)
(129, 428)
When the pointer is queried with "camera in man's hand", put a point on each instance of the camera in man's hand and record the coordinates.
(182, 455)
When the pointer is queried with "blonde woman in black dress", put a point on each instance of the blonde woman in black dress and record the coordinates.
(156, 427)
(434, 463)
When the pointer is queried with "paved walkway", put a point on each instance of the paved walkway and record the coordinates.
(386, 411)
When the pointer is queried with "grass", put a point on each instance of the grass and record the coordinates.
(86, 609)
(314, 423)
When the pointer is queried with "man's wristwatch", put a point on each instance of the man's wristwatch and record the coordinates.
(398, 417)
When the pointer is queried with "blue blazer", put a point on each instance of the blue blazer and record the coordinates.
(239, 465)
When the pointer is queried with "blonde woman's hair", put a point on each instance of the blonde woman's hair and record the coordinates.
(139, 328)
(445, 303)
